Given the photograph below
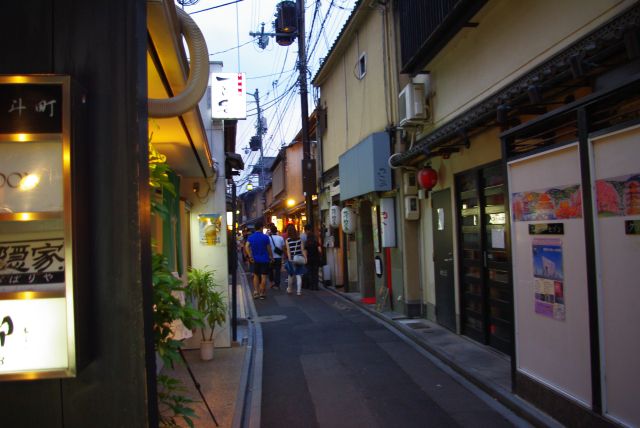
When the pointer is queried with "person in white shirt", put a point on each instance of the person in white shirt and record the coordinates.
(277, 249)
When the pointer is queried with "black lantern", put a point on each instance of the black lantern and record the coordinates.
(286, 23)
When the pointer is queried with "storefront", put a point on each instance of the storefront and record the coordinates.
(575, 250)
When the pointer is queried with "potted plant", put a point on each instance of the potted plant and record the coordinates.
(209, 301)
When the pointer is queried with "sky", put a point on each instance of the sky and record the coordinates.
(272, 70)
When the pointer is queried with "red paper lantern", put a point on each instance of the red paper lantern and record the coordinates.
(427, 178)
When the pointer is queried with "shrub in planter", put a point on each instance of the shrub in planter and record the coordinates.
(210, 302)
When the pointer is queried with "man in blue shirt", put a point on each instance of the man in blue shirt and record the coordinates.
(259, 252)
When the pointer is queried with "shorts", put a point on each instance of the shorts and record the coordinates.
(260, 268)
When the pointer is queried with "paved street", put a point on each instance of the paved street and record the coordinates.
(328, 364)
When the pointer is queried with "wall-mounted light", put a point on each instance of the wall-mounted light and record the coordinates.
(291, 202)
(29, 182)
(229, 220)
(249, 186)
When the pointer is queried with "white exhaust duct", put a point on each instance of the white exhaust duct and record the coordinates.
(198, 73)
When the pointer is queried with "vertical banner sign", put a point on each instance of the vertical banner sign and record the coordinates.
(388, 222)
(228, 96)
(37, 326)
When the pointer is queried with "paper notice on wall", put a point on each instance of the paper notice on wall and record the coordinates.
(497, 238)
(548, 278)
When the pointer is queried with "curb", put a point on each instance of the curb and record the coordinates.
(511, 401)
(247, 413)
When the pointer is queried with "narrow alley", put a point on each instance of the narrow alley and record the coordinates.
(326, 363)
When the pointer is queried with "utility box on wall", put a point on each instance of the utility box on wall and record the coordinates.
(37, 317)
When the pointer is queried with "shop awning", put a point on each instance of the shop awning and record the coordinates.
(182, 139)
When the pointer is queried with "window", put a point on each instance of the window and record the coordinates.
(362, 65)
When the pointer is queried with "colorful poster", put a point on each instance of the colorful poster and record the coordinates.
(550, 204)
(618, 196)
(548, 278)
(210, 228)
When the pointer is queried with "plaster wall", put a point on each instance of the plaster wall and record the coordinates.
(479, 61)
(355, 107)
(212, 257)
(293, 173)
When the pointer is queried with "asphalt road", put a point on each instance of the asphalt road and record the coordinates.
(328, 364)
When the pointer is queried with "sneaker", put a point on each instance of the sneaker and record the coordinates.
(256, 295)
(299, 293)
(289, 291)
(262, 297)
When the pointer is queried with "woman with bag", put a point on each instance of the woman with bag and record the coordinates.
(296, 259)
(277, 249)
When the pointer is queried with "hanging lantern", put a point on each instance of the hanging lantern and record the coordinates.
(348, 220)
(427, 177)
(334, 217)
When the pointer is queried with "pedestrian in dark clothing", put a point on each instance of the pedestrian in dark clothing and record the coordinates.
(314, 258)
(259, 252)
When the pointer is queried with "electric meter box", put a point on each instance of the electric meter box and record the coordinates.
(411, 208)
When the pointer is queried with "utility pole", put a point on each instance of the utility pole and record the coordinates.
(308, 169)
(260, 131)
(284, 36)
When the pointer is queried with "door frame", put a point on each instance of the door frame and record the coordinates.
(453, 237)
(476, 170)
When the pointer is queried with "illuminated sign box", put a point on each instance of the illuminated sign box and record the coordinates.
(37, 328)
(228, 97)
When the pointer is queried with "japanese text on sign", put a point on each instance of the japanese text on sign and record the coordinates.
(32, 262)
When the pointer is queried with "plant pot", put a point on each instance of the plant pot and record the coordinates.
(206, 350)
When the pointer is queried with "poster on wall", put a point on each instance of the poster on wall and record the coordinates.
(548, 204)
(548, 278)
(618, 196)
(210, 227)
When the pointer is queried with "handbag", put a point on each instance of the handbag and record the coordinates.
(276, 250)
(299, 259)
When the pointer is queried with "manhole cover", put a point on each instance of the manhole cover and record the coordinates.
(270, 318)
(417, 325)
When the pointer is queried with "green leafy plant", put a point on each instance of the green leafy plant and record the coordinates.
(159, 180)
(209, 301)
(173, 404)
(168, 308)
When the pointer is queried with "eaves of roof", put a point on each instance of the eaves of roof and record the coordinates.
(340, 42)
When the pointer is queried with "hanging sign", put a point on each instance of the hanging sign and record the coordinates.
(334, 217)
(388, 222)
(348, 220)
(228, 96)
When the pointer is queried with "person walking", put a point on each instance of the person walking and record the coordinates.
(314, 257)
(277, 249)
(259, 252)
(296, 259)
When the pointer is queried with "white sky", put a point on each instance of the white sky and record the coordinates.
(271, 70)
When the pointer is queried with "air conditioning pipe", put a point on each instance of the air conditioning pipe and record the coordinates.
(198, 73)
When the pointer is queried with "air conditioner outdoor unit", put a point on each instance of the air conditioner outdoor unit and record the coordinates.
(411, 104)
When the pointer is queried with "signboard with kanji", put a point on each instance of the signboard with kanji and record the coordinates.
(37, 324)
